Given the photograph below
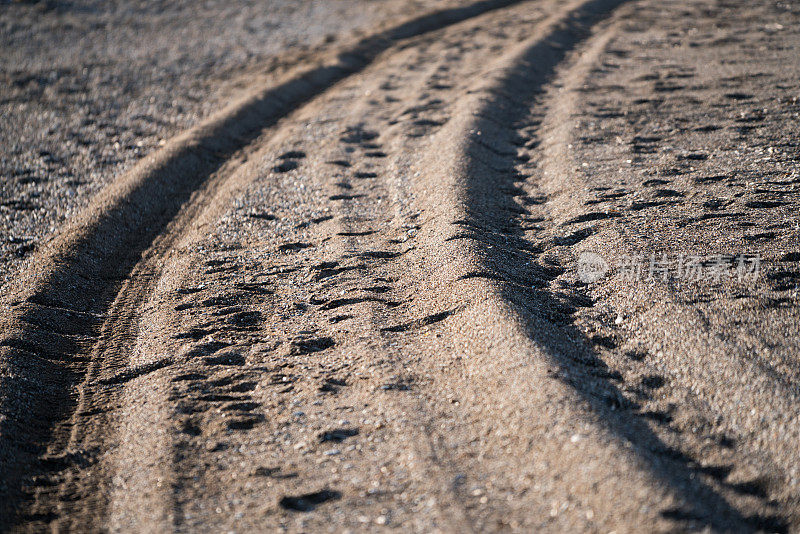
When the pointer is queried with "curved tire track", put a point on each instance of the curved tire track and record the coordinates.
(57, 310)
(477, 177)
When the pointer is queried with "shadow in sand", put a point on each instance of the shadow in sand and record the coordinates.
(496, 219)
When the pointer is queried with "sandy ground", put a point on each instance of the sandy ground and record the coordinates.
(89, 88)
(480, 267)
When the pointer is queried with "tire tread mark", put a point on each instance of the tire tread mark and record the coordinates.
(82, 270)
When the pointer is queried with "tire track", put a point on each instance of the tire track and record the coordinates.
(753, 474)
(521, 317)
(434, 470)
(343, 251)
(76, 495)
(58, 309)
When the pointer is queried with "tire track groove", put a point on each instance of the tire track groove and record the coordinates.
(475, 170)
(108, 238)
